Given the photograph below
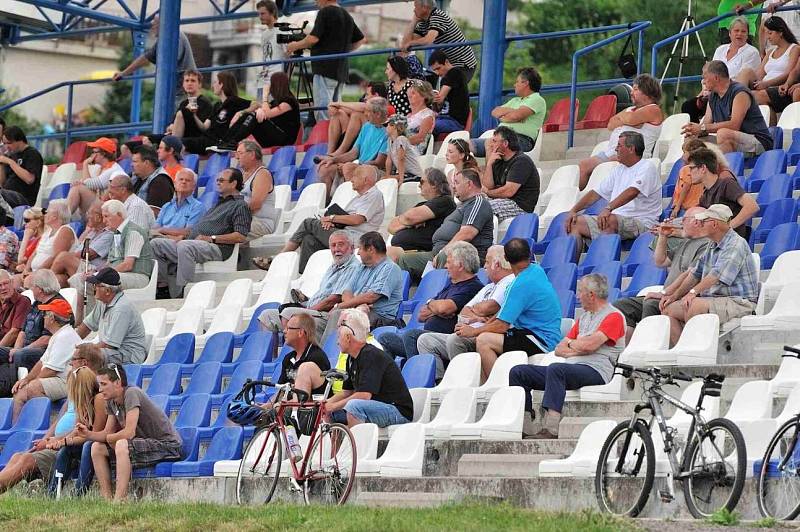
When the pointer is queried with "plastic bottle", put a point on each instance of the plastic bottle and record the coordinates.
(295, 452)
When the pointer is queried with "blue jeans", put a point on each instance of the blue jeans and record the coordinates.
(369, 411)
(555, 380)
(402, 343)
(326, 90)
(66, 460)
(446, 124)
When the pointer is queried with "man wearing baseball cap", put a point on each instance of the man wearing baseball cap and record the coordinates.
(723, 282)
(120, 331)
(84, 191)
(48, 377)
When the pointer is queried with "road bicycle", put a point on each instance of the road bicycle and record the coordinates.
(778, 473)
(710, 464)
(324, 473)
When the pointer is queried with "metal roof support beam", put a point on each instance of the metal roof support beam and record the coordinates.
(86, 12)
(166, 66)
(493, 51)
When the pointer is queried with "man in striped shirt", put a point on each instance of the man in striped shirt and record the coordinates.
(431, 25)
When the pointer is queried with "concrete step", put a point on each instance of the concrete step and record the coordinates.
(403, 499)
(502, 465)
(571, 427)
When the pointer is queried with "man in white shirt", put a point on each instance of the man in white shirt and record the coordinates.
(270, 49)
(633, 192)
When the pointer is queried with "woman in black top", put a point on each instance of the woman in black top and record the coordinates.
(397, 74)
(274, 123)
(215, 128)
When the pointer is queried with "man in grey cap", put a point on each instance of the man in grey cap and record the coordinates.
(120, 331)
(724, 281)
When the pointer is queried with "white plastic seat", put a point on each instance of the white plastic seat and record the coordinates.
(458, 406)
(498, 378)
(226, 319)
(422, 407)
(237, 294)
(201, 295)
(751, 410)
(273, 292)
(154, 320)
(566, 176)
(790, 408)
(681, 420)
(674, 153)
(279, 238)
(496, 229)
(189, 320)
(787, 378)
(536, 153)
(790, 118)
(765, 113)
(463, 371)
(220, 266)
(601, 171)
(311, 196)
(308, 283)
(501, 421)
(146, 293)
(583, 460)
(785, 270)
(784, 315)
(599, 148)
(562, 200)
(671, 128)
(71, 295)
(566, 325)
(388, 188)
(283, 198)
(342, 195)
(647, 289)
(696, 346)
(404, 454)
(486, 134)
(366, 437)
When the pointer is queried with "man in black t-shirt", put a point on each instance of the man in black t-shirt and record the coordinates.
(20, 170)
(511, 179)
(195, 103)
(304, 365)
(453, 95)
(374, 390)
(334, 32)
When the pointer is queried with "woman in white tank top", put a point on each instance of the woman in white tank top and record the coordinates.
(776, 65)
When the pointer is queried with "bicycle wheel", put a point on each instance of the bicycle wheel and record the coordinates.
(714, 469)
(260, 467)
(626, 470)
(331, 467)
(779, 480)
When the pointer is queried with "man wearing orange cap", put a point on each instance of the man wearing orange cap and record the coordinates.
(84, 190)
(48, 377)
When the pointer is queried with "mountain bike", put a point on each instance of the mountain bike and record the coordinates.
(710, 464)
(324, 473)
(778, 486)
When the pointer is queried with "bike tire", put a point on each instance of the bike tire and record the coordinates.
(623, 448)
(262, 459)
(329, 476)
(706, 461)
(781, 485)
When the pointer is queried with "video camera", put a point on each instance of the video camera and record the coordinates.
(293, 33)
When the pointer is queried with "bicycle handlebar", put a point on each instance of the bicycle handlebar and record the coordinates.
(628, 371)
(794, 350)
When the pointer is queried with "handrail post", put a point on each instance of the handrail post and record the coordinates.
(67, 135)
(167, 54)
(136, 90)
(493, 50)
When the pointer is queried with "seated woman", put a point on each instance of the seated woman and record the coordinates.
(403, 157)
(397, 88)
(413, 230)
(57, 236)
(258, 188)
(225, 110)
(34, 227)
(96, 239)
(421, 119)
(273, 123)
(459, 155)
(85, 190)
(346, 118)
(644, 116)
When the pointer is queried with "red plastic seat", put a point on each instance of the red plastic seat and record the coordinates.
(319, 133)
(599, 112)
(76, 152)
(559, 115)
(297, 142)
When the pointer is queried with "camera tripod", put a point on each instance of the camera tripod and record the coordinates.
(688, 23)
(303, 91)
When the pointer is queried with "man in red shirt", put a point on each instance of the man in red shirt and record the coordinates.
(14, 307)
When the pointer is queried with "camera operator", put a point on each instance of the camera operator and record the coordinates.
(271, 47)
(334, 31)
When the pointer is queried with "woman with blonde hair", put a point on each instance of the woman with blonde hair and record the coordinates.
(34, 227)
(57, 236)
(421, 119)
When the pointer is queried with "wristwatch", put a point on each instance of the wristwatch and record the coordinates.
(213, 239)
(693, 292)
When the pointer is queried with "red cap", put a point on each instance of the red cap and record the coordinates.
(106, 144)
(58, 306)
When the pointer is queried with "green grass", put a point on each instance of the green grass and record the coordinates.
(29, 514)
(724, 517)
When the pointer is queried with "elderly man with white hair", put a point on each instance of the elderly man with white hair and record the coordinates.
(374, 390)
(139, 212)
(183, 211)
(481, 308)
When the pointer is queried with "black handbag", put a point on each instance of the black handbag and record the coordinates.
(627, 61)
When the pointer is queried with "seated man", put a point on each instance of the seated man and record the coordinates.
(364, 214)
(20, 170)
(84, 191)
(137, 433)
(195, 103)
(48, 377)
(644, 116)
(453, 94)
(480, 309)
(678, 252)
(183, 211)
(633, 192)
(151, 182)
(96, 240)
(732, 114)
(370, 148)
(590, 350)
(472, 222)
(374, 390)
(169, 153)
(511, 180)
(376, 287)
(439, 314)
(334, 282)
(14, 307)
(530, 318)
(723, 282)
(120, 331)
(137, 210)
(211, 239)
(705, 169)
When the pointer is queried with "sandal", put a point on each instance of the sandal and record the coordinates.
(261, 262)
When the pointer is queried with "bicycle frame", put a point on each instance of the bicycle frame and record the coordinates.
(299, 475)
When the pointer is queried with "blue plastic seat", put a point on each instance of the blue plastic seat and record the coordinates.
(331, 349)
(776, 187)
(209, 198)
(595, 208)
(640, 253)
(218, 348)
(34, 416)
(668, 188)
(777, 136)
(205, 378)
(776, 213)
(769, 163)
(161, 401)
(406, 284)
(284, 156)
(126, 164)
(483, 276)
(19, 216)
(191, 161)
(216, 163)
(286, 176)
(18, 442)
(77, 226)
(225, 445)
(6, 408)
(195, 411)
(781, 238)
(258, 346)
(308, 163)
(431, 284)
(613, 294)
(420, 371)
(567, 300)
(612, 271)
(58, 192)
(249, 369)
(563, 277)
(309, 178)
(166, 380)
(793, 153)
(604, 248)
(191, 447)
(523, 226)
(254, 325)
(560, 251)
(644, 276)
(735, 162)
(179, 350)
(221, 420)
(554, 230)
(134, 374)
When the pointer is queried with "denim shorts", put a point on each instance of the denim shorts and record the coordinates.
(369, 411)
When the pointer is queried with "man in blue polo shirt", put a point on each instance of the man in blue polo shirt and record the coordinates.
(530, 319)
(178, 216)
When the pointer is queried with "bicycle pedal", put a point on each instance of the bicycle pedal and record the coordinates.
(666, 496)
